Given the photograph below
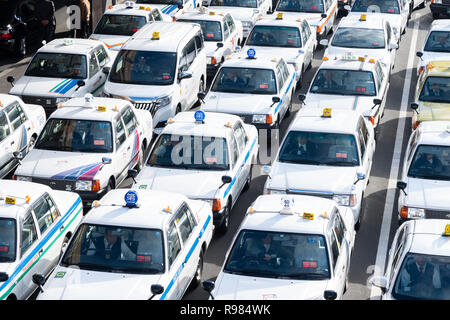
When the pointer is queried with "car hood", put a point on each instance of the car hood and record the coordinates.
(362, 104)
(191, 183)
(236, 287)
(338, 180)
(61, 165)
(312, 18)
(433, 111)
(238, 13)
(137, 92)
(45, 87)
(76, 284)
(112, 42)
(237, 103)
(430, 194)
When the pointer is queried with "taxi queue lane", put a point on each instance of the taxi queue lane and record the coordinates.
(367, 239)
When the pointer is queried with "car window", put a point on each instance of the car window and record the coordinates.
(334, 248)
(102, 56)
(120, 133)
(339, 227)
(230, 23)
(93, 66)
(190, 52)
(379, 74)
(5, 131)
(199, 43)
(43, 214)
(389, 32)
(412, 144)
(241, 136)
(174, 244)
(306, 30)
(130, 121)
(398, 249)
(226, 31)
(184, 223)
(29, 233)
(16, 115)
(234, 151)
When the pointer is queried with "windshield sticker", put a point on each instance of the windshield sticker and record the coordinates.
(264, 86)
(341, 155)
(60, 274)
(99, 142)
(309, 264)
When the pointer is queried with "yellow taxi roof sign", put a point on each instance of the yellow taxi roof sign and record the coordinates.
(308, 215)
(101, 108)
(325, 58)
(279, 16)
(447, 231)
(363, 17)
(326, 113)
(155, 36)
(10, 200)
(212, 13)
(362, 59)
(372, 60)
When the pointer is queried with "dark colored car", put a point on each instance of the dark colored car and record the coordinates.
(18, 26)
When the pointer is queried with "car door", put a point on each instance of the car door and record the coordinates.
(188, 232)
(339, 257)
(96, 77)
(308, 46)
(175, 255)
(366, 150)
(281, 107)
(134, 137)
(236, 160)
(6, 149)
(46, 215)
(187, 86)
(234, 34)
(30, 251)
(122, 154)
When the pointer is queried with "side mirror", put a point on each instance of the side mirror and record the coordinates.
(219, 45)
(11, 80)
(419, 54)
(402, 186)
(3, 276)
(185, 75)
(238, 48)
(323, 15)
(80, 84)
(302, 97)
(269, 12)
(106, 160)
(266, 169)
(226, 179)
(156, 290)
(330, 295)
(324, 42)
(39, 280)
(180, 6)
(209, 286)
(106, 70)
(359, 176)
(415, 106)
(276, 99)
(132, 173)
(201, 96)
(18, 155)
(377, 101)
(380, 282)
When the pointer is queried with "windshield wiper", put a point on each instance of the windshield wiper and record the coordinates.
(302, 161)
(141, 270)
(259, 272)
(92, 266)
(340, 163)
(308, 276)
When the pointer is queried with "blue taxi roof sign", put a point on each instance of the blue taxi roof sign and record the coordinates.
(251, 53)
(199, 116)
(131, 198)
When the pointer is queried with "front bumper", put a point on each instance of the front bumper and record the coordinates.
(159, 115)
(48, 103)
(440, 8)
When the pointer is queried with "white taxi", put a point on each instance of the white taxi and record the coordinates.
(121, 21)
(134, 244)
(352, 83)
(419, 262)
(436, 45)
(221, 33)
(206, 156)
(394, 11)
(258, 89)
(160, 69)
(87, 146)
(170, 7)
(35, 222)
(321, 14)
(291, 40)
(373, 37)
(246, 11)
(425, 178)
(325, 154)
(290, 247)
(20, 125)
(63, 69)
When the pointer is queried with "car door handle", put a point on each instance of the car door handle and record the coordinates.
(61, 228)
(129, 148)
(41, 251)
(12, 142)
(29, 128)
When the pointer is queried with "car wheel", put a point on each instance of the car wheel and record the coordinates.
(201, 88)
(140, 163)
(198, 273)
(249, 179)
(110, 185)
(226, 219)
(178, 109)
(361, 214)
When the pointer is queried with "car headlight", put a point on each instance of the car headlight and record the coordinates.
(61, 100)
(22, 178)
(164, 101)
(437, 1)
(83, 185)
(274, 191)
(412, 213)
(247, 24)
(348, 200)
(259, 118)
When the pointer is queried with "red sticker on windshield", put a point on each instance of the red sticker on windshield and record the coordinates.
(341, 155)
(99, 142)
(314, 7)
(375, 43)
(211, 160)
(290, 41)
(166, 76)
(145, 259)
(390, 10)
(361, 89)
(309, 264)
(4, 248)
(264, 86)
(210, 35)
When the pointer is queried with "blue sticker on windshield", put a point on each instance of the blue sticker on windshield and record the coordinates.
(311, 240)
(9, 223)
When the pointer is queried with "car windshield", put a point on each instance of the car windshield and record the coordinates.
(190, 152)
(318, 148)
(378, 6)
(344, 82)
(76, 135)
(423, 276)
(243, 80)
(58, 65)
(7, 240)
(119, 25)
(438, 41)
(431, 162)
(436, 89)
(359, 38)
(212, 31)
(312, 6)
(116, 249)
(274, 36)
(266, 254)
(234, 3)
(144, 67)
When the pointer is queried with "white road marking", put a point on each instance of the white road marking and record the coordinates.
(380, 262)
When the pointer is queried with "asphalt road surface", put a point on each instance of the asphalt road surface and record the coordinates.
(380, 218)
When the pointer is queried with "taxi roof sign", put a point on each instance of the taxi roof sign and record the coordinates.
(308, 215)
(129, 4)
(279, 16)
(131, 198)
(447, 231)
(326, 113)
(363, 17)
(155, 36)
(287, 203)
(251, 53)
(10, 200)
(199, 116)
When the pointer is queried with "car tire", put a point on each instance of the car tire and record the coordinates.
(140, 163)
(289, 109)
(361, 214)
(249, 179)
(223, 227)
(178, 109)
(201, 88)
(197, 279)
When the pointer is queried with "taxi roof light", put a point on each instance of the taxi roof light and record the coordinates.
(155, 36)
(167, 209)
(287, 204)
(326, 113)
(129, 4)
(363, 17)
(447, 231)
(279, 16)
